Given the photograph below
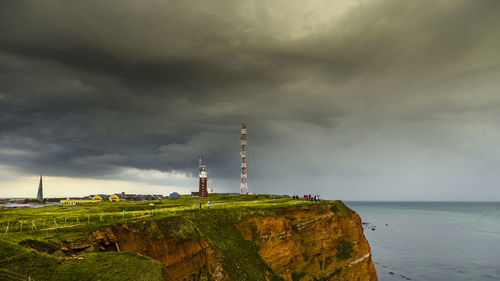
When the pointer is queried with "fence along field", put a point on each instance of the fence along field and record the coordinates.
(39, 220)
(58, 222)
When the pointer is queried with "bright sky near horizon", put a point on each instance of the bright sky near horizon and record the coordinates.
(354, 100)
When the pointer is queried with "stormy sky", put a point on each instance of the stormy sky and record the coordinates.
(353, 100)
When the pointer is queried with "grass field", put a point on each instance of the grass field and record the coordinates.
(52, 225)
(17, 263)
(22, 223)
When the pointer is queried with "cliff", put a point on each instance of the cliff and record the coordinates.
(318, 242)
(257, 237)
(312, 243)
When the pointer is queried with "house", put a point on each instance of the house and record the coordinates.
(144, 197)
(100, 197)
(158, 197)
(78, 201)
(53, 200)
(173, 195)
(117, 197)
(130, 197)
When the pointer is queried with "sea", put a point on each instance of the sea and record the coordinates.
(435, 241)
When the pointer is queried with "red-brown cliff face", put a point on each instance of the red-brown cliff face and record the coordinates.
(312, 243)
(319, 242)
(191, 259)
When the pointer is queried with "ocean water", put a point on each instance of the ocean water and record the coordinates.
(436, 241)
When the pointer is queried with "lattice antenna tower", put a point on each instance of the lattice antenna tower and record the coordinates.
(243, 153)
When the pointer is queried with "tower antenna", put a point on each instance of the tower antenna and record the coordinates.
(243, 153)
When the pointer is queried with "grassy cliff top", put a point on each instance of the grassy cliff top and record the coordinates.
(69, 222)
(53, 226)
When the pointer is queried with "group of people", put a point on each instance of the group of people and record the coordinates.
(309, 197)
(208, 205)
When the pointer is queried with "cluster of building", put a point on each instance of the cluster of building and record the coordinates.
(101, 197)
(115, 198)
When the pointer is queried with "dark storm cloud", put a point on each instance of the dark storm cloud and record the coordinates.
(90, 87)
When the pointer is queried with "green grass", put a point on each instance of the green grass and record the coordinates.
(111, 266)
(87, 218)
(241, 260)
(344, 251)
(179, 218)
(18, 263)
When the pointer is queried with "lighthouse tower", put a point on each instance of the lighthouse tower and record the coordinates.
(243, 153)
(203, 192)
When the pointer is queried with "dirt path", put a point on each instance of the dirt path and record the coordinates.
(62, 226)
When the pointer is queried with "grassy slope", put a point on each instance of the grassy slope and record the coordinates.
(112, 266)
(240, 257)
(17, 263)
(87, 218)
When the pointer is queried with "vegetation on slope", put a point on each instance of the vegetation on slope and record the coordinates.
(180, 218)
(18, 263)
(71, 222)
(241, 260)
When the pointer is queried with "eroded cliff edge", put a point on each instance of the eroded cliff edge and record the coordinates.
(312, 243)
(315, 242)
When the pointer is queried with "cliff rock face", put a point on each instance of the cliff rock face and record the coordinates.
(191, 259)
(319, 242)
(312, 243)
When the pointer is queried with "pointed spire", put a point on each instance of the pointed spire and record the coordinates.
(39, 195)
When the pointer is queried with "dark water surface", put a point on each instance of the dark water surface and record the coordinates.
(436, 241)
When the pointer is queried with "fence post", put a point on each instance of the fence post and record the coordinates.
(21, 226)
(33, 226)
(7, 228)
(55, 223)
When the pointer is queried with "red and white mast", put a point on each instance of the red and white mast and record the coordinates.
(243, 153)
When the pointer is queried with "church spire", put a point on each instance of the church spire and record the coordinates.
(39, 195)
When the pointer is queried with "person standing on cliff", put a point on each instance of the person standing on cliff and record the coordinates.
(200, 206)
(208, 204)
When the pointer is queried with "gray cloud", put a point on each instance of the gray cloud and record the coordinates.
(344, 98)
